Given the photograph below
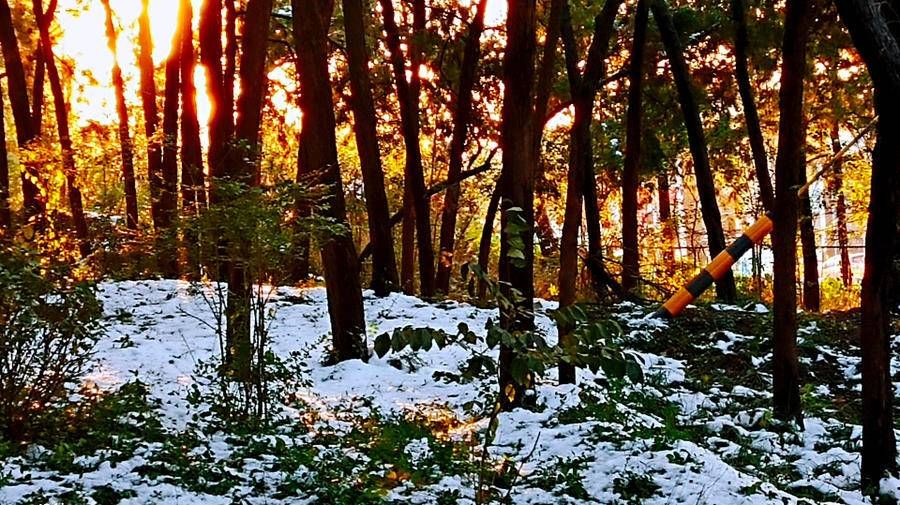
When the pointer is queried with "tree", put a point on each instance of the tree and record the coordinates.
(811, 297)
(712, 219)
(345, 306)
(151, 114)
(633, 133)
(221, 121)
(5, 217)
(516, 274)
(61, 109)
(22, 114)
(790, 163)
(240, 166)
(168, 202)
(462, 113)
(751, 116)
(836, 187)
(384, 263)
(870, 28)
(126, 146)
(193, 193)
(408, 97)
(580, 175)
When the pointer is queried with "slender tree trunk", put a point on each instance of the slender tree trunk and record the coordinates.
(151, 115)
(462, 113)
(712, 219)
(384, 263)
(866, 21)
(789, 167)
(168, 201)
(547, 241)
(62, 122)
(487, 235)
(5, 215)
(193, 192)
(37, 92)
(221, 112)
(241, 166)
(407, 96)
(668, 227)
(546, 76)
(345, 305)
(633, 133)
(837, 188)
(517, 192)
(751, 116)
(580, 177)
(810, 258)
(229, 72)
(125, 144)
(22, 117)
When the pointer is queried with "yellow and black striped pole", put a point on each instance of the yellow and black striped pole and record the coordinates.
(717, 268)
(754, 235)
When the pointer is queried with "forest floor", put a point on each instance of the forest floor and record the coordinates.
(407, 428)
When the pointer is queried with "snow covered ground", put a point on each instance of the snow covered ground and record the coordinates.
(666, 440)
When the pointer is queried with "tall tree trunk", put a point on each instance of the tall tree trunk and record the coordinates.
(580, 176)
(545, 77)
(751, 116)
(168, 201)
(241, 166)
(712, 219)
(345, 305)
(810, 258)
(5, 216)
(462, 113)
(484, 245)
(193, 192)
(151, 114)
(408, 97)
(384, 263)
(61, 109)
(229, 72)
(789, 166)
(517, 192)
(221, 112)
(837, 188)
(37, 92)
(22, 117)
(665, 219)
(633, 133)
(125, 145)
(869, 29)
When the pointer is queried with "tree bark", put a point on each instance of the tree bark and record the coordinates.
(125, 145)
(789, 166)
(712, 219)
(751, 116)
(462, 114)
(408, 97)
(546, 76)
(633, 133)
(151, 115)
(193, 192)
(384, 264)
(869, 29)
(811, 294)
(5, 215)
(37, 92)
(580, 176)
(221, 116)
(837, 188)
(241, 167)
(61, 109)
(487, 235)
(668, 227)
(22, 117)
(345, 305)
(517, 193)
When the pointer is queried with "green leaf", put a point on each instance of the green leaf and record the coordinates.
(518, 369)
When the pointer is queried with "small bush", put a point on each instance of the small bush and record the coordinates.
(49, 323)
